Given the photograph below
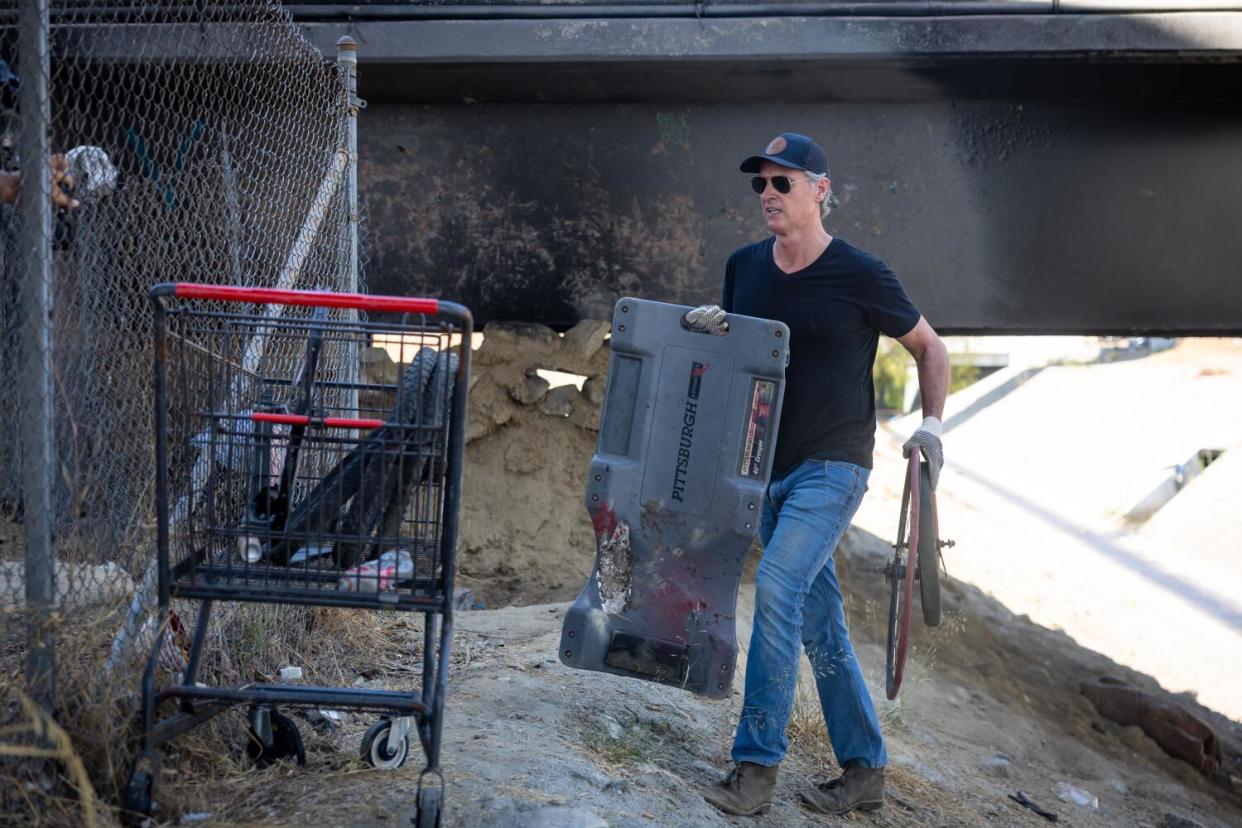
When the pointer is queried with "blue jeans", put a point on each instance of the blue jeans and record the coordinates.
(798, 601)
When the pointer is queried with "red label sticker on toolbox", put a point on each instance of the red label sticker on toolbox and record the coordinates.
(762, 398)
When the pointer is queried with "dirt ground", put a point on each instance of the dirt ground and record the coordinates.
(991, 707)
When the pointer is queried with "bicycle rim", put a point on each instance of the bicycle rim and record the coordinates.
(905, 565)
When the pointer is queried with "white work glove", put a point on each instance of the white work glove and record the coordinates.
(927, 438)
(94, 176)
(709, 319)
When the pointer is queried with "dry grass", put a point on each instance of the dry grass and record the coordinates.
(97, 734)
(44, 777)
(931, 802)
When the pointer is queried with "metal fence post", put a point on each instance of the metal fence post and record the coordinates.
(35, 313)
(347, 59)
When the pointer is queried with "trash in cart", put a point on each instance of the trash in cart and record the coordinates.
(381, 574)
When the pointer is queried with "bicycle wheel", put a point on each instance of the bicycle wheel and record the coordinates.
(929, 549)
(905, 564)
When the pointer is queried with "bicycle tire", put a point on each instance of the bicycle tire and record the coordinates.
(929, 549)
(320, 511)
(435, 407)
(905, 564)
(395, 469)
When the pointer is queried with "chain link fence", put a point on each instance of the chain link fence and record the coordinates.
(139, 143)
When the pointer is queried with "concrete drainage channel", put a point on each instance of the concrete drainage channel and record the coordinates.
(1178, 478)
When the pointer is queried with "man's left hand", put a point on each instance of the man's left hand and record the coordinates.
(927, 438)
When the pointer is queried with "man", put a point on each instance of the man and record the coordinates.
(836, 300)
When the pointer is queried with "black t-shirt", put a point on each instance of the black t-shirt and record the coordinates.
(836, 308)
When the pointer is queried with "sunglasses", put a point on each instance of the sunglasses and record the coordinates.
(782, 183)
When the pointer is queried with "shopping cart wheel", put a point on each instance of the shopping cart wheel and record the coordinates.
(139, 798)
(379, 750)
(429, 807)
(280, 741)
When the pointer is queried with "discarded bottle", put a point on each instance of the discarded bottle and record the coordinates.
(380, 575)
(249, 549)
(1076, 796)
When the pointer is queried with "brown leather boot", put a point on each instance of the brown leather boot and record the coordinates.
(746, 791)
(858, 788)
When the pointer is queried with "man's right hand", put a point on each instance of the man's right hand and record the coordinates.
(708, 319)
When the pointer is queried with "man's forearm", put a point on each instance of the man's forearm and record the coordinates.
(933, 367)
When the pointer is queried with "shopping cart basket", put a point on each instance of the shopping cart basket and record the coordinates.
(283, 476)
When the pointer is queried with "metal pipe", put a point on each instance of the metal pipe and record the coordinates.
(35, 312)
(292, 268)
(895, 8)
(347, 60)
(569, 11)
(518, 11)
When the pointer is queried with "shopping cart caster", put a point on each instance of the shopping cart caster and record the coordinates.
(139, 798)
(386, 744)
(273, 736)
(429, 800)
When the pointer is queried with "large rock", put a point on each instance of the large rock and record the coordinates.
(593, 390)
(516, 342)
(525, 458)
(560, 401)
(490, 407)
(379, 367)
(529, 390)
(583, 341)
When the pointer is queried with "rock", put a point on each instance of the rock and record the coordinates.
(657, 778)
(593, 390)
(512, 341)
(708, 770)
(593, 776)
(560, 401)
(562, 817)
(525, 457)
(612, 726)
(583, 340)
(922, 769)
(1177, 821)
(463, 598)
(490, 407)
(1135, 739)
(531, 389)
(378, 367)
(997, 766)
(290, 673)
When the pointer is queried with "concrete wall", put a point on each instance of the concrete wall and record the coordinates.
(1022, 173)
(1000, 216)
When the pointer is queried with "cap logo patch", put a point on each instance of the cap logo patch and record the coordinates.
(777, 146)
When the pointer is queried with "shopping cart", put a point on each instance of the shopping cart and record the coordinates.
(285, 477)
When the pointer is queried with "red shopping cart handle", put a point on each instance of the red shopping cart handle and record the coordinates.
(312, 298)
(302, 419)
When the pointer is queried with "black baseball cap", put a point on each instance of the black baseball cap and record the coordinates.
(789, 149)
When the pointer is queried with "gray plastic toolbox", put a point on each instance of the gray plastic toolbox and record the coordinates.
(675, 492)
